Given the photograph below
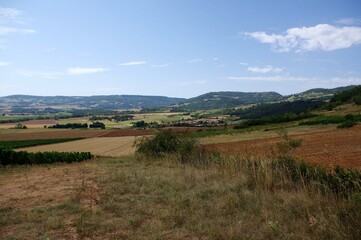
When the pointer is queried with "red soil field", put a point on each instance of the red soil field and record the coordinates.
(329, 149)
(127, 132)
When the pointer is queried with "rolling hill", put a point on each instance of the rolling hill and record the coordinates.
(28, 104)
(53, 104)
(217, 100)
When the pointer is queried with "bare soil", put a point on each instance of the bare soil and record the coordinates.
(43, 185)
(331, 148)
(28, 134)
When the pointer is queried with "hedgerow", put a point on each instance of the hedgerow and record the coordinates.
(11, 157)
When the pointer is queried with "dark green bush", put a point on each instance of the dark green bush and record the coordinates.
(347, 124)
(164, 143)
(332, 119)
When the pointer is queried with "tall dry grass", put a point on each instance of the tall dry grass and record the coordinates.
(203, 196)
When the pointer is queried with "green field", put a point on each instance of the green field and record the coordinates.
(31, 143)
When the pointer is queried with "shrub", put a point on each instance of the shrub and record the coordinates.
(347, 124)
(165, 143)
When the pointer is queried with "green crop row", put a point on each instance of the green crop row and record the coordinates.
(34, 142)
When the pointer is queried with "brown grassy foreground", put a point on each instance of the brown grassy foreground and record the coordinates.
(127, 198)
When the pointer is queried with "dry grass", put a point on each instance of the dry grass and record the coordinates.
(130, 199)
(349, 108)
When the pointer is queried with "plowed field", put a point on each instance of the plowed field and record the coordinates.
(27, 134)
(331, 148)
(105, 146)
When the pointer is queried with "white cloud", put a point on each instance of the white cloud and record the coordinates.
(243, 63)
(323, 37)
(267, 69)
(4, 63)
(134, 63)
(80, 70)
(195, 60)
(161, 65)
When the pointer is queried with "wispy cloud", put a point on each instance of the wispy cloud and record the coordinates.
(276, 78)
(9, 15)
(4, 63)
(192, 83)
(195, 60)
(322, 37)
(349, 21)
(81, 70)
(161, 65)
(39, 74)
(47, 50)
(12, 17)
(215, 59)
(267, 69)
(243, 63)
(56, 74)
(333, 80)
(133, 63)
(12, 30)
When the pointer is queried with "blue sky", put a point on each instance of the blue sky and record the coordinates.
(178, 48)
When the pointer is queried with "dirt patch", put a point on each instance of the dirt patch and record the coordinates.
(331, 148)
(127, 132)
(43, 186)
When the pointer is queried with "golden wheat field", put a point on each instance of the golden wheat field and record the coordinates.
(104, 146)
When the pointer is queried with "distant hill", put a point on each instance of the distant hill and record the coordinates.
(316, 93)
(217, 100)
(53, 104)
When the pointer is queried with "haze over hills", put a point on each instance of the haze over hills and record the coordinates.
(213, 100)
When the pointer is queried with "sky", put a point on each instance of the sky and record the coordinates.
(177, 48)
